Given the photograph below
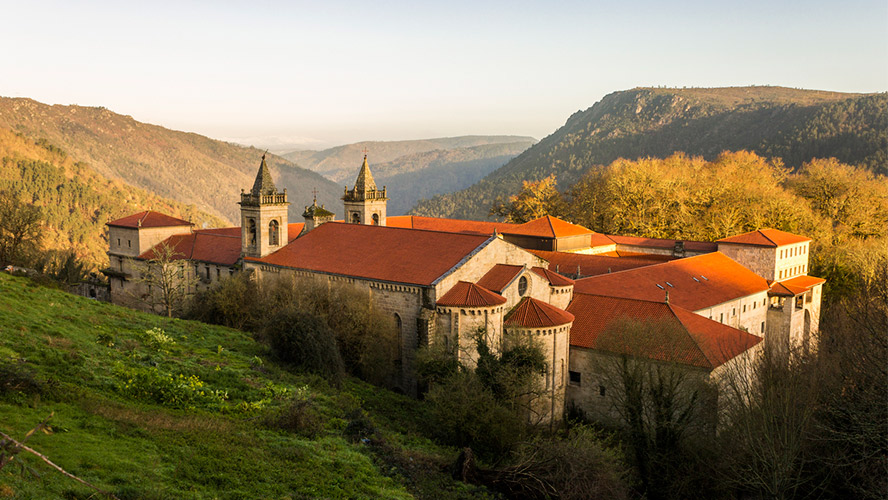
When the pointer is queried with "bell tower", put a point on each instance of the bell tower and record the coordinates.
(365, 204)
(263, 216)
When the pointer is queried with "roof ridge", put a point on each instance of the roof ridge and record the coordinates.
(766, 236)
(625, 298)
(712, 364)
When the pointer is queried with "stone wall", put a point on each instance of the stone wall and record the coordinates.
(760, 260)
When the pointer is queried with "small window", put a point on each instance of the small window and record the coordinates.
(218, 273)
(375, 219)
(733, 311)
(763, 327)
(574, 377)
(356, 219)
(721, 317)
(208, 272)
(601, 390)
(273, 233)
(129, 244)
(522, 286)
(744, 307)
(118, 241)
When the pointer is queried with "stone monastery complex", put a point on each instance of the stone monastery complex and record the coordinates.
(566, 286)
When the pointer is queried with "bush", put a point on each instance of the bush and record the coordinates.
(305, 341)
(175, 391)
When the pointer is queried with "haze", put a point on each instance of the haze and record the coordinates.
(314, 74)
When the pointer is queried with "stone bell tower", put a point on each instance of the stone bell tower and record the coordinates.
(365, 204)
(263, 216)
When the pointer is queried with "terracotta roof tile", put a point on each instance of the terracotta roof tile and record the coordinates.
(467, 294)
(674, 333)
(201, 246)
(448, 225)
(499, 277)
(794, 286)
(149, 219)
(693, 246)
(376, 252)
(694, 283)
(533, 313)
(548, 227)
(554, 278)
(765, 238)
(593, 265)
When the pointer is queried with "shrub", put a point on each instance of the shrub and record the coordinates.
(175, 391)
(305, 341)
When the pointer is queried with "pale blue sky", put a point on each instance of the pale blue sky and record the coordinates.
(337, 72)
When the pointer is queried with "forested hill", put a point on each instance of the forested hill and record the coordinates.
(339, 163)
(75, 200)
(181, 166)
(795, 125)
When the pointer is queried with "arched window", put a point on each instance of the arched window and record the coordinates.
(356, 218)
(274, 233)
(251, 232)
(375, 219)
(522, 286)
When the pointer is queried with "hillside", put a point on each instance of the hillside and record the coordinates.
(795, 125)
(340, 163)
(181, 166)
(412, 177)
(148, 407)
(77, 201)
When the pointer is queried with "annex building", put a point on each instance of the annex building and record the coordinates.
(568, 287)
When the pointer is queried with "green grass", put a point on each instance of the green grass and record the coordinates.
(124, 421)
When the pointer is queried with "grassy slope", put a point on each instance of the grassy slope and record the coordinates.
(182, 166)
(77, 201)
(136, 448)
(795, 125)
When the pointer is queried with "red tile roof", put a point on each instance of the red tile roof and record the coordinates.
(593, 265)
(765, 238)
(533, 313)
(201, 246)
(696, 282)
(149, 219)
(379, 253)
(600, 240)
(794, 286)
(467, 294)
(499, 277)
(637, 241)
(448, 225)
(548, 227)
(554, 278)
(672, 333)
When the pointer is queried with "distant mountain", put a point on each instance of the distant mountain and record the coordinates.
(339, 163)
(76, 200)
(186, 167)
(795, 125)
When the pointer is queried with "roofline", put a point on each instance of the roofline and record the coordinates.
(465, 258)
(651, 360)
(404, 283)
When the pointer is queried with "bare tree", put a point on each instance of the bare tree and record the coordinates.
(166, 280)
(661, 404)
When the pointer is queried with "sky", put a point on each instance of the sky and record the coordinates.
(310, 75)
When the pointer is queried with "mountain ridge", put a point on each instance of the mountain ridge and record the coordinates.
(795, 125)
(183, 166)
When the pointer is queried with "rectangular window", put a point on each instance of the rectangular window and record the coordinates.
(733, 311)
(744, 307)
(218, 273)
(118, 241)
(763, 327)
(574, 377)
(601, 390)
(129, 243)
(208, 272)
(721, 317)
